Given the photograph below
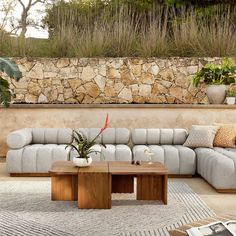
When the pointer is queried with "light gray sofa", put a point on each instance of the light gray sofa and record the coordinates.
(167, 146)
(218, 167)
(33, 150)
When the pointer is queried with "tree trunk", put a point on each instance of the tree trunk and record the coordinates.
(23, 23)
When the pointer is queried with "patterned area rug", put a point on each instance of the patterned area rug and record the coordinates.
(26, 209)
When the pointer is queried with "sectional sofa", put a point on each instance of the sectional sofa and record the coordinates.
(33, 150)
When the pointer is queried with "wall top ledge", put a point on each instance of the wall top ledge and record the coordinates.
(130, 106)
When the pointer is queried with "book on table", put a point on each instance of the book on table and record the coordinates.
(217, 228)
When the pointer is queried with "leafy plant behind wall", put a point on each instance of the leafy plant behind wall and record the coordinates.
(11, 69)
(212, 74)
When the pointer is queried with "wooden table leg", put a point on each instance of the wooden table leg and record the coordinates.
(94, 190)
(152, 187)
(122, 184)
(165, 188)
(64, 188)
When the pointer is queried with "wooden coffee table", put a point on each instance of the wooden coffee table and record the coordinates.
(92, 186)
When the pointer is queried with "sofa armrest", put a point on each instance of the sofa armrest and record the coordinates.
(19, 138)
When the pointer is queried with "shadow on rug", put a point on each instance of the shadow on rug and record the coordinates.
(28, 205)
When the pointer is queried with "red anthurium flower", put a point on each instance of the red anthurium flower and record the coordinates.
(102, 129)
(105, 126)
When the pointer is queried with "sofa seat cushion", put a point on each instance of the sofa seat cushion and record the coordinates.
(36, 158)
(120, 152)
(178, 159)
(217, 166)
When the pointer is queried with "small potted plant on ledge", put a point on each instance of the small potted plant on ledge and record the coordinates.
(83, 147)
(230, 96)
(216, 77)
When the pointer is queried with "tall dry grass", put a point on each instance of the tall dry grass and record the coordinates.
(162, 32)
(213, 35)
(119, 31)
(153, 37)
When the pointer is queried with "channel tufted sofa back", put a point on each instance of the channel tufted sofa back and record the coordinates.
(109, 136)
(20, 138)
(63, 135)
(51, 135)
(159, 136)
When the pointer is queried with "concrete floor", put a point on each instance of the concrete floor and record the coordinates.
(218, 202)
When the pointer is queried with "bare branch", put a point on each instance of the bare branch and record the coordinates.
(37, 1)
(21, 3)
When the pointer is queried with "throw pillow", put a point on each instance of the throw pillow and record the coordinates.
(201, 136)
(225, 137)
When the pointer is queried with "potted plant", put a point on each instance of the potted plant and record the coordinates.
(230, 97)
(83, 147)
(11, 69)
(216, 77)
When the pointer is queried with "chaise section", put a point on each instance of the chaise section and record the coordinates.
(218, 167)
(167, 148)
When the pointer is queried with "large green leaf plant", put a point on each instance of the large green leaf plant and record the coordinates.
(212, 74)
(12, 70)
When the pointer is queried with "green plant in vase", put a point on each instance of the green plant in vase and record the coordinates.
(83, 147)
(216, 77)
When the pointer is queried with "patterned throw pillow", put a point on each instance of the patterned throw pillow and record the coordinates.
(201, 136)
(225, 137)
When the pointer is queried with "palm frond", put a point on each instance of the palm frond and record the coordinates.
(5, 92)
(10, 68)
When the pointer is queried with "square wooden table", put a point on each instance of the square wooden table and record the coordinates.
(92, 186)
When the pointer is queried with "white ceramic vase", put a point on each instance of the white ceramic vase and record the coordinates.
(216, 93)
(230, 100)
(82, 162)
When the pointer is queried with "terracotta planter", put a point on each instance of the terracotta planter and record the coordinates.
(82, 162)
(216, 94)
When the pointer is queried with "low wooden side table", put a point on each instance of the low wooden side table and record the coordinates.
(181, 231)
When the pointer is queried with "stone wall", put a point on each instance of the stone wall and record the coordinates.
(106, 80)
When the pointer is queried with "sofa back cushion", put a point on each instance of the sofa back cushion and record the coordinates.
(159, 136)
(51, 135)
(109, 136)
(63, 135)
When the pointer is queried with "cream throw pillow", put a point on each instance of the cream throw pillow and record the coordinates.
(201, 136)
